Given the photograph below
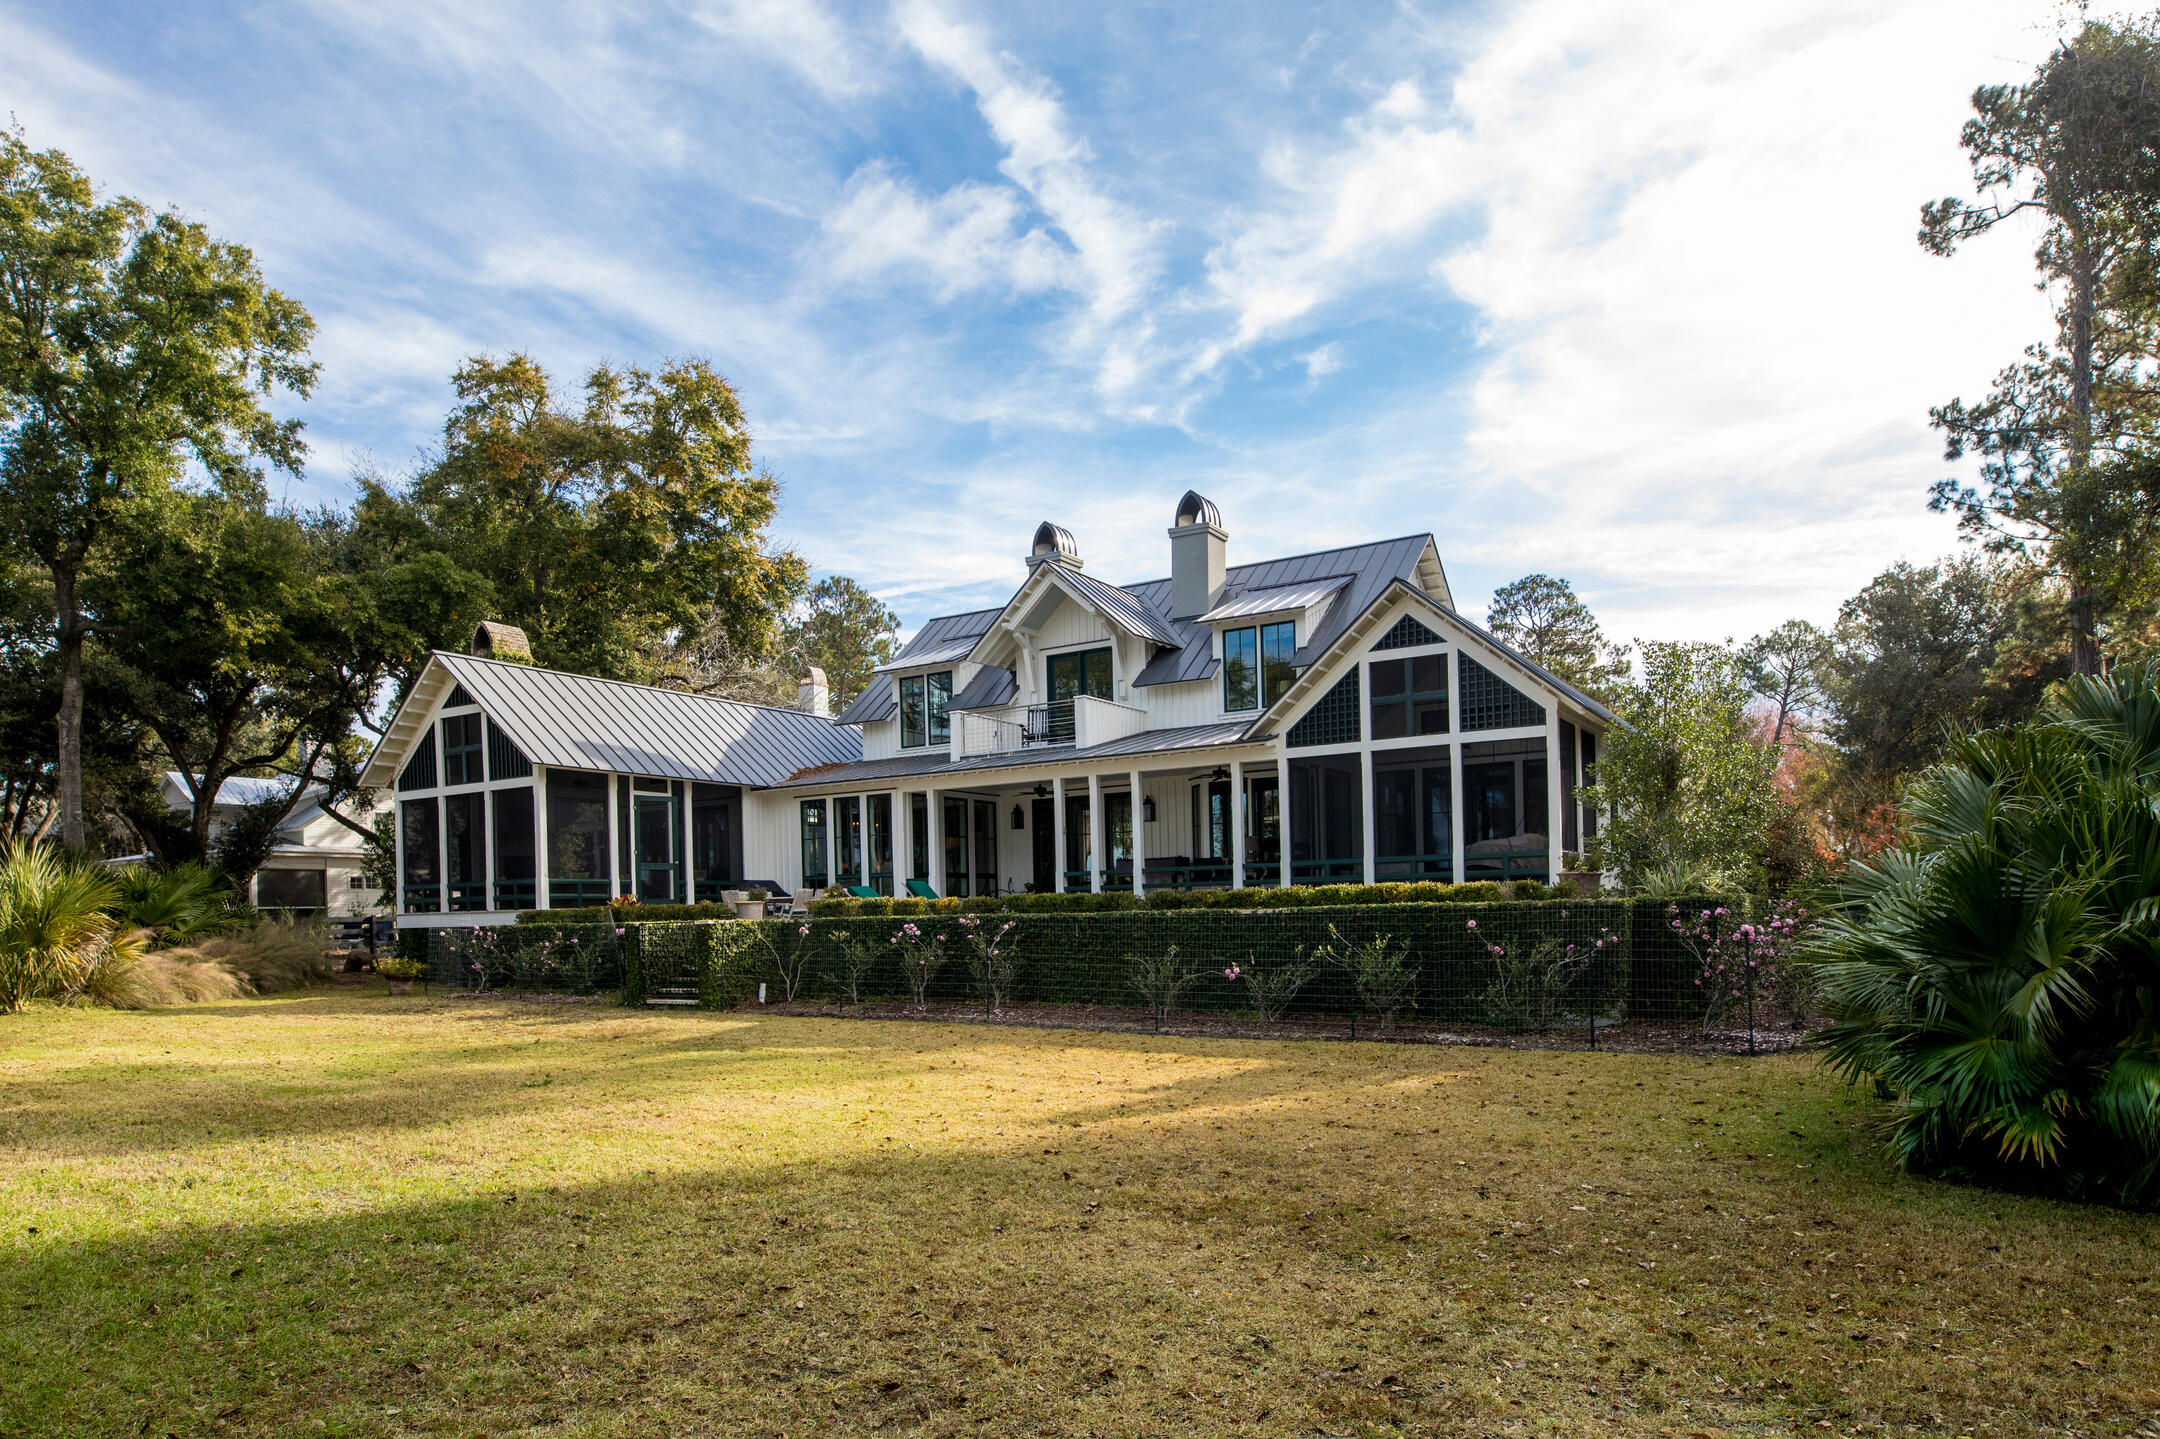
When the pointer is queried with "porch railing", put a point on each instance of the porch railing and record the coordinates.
(1019, 727)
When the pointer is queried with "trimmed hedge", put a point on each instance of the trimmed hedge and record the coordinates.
(627, 914)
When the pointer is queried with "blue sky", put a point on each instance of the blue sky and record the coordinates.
(1625, 293)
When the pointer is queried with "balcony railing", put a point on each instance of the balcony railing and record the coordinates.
(1020, 727)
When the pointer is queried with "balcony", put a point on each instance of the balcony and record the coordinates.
(1081, 722)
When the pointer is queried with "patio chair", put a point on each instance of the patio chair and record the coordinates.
(920, 888)
(861, 891)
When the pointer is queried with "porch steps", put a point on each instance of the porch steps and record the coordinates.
(683, 996)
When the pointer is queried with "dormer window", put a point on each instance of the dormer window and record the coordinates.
(461, 749)
(926, 710)
(1257, 664)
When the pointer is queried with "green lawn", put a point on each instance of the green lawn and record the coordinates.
(350, 1214)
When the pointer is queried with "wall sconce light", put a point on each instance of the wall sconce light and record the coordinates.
(1019, 819)
(1147, 808)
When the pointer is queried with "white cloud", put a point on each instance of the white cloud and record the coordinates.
(799, 34)
(1325, 360)
(968, 238)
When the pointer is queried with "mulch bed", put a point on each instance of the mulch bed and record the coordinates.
(1626, 1038)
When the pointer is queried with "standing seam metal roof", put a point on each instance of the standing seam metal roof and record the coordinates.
(580, 722)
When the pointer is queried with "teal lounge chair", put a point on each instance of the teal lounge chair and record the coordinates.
(862, 891)
(921, 889)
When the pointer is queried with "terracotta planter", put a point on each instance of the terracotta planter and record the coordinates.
(400, 986)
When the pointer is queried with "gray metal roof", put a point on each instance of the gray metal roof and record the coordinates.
(878, 701)
(579, 722)
(1123, 607)
(874, 772)
(933, 654)
(1275, 600)
(990, 688)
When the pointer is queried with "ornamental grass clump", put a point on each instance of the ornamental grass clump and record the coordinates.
(1997, 974)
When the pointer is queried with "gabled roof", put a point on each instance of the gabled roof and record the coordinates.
(580, 722)
(1349, 634)
(934, 643)
(938, 762)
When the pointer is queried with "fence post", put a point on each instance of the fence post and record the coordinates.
(1593, 995)
(1750, 959)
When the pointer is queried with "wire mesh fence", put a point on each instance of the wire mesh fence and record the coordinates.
(1619, 974)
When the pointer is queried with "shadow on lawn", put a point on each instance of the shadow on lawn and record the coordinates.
(1169, 1277)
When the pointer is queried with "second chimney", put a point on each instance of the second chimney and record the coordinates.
(812, 694)
(1197, 545)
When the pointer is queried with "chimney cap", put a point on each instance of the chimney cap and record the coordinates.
(1197, 509)
(492, 640)
(1054, 542)
(813, 676)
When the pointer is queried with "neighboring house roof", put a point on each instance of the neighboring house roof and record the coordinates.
(936, 762)
(237, 791)
(581, 722)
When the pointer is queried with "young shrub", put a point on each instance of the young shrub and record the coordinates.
(854, 955)
(991, 958)
(1379, 970)
(1272, 985)
(1161, 980)
(793, 959)
(921, 956)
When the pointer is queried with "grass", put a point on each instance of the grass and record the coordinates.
(348, 1214)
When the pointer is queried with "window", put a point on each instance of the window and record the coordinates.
(293, 889)
(926, 710)
(577, 838)
(715, 839)
(461, 749)
(465, 850)
(419, 855)
(815, 875)
(1278, 646)
(514, 850)
(1084, 673)
(1240, 669)
(1409, 697)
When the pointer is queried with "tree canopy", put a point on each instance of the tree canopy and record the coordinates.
(1543, 620)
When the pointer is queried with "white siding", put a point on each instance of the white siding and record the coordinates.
(772, 836)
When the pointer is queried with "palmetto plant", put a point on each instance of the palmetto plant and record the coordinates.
(55, 922)
(1999, 974)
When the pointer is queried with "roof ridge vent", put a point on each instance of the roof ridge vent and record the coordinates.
(1054, 544)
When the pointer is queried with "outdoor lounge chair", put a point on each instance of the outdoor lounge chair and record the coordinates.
(861, 891)
(921, 889)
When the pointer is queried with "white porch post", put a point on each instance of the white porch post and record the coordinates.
(1282, 813)
(1139, 833)
(397, 855)
(934, 842)
(689, 875)
(1057, 827)
(1372, 821)
(1459, 840)
(1237, 824)
(1552, 793)
(540, 838)
(903, 860)
(1095, 834)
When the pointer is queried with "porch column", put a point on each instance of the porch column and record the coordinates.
(1458, 841)
(903, 860)
(1282, 813)
(1237, 824)
(689, 857)
(1095, 834)
(540, 838)
(1057, 826)
(1552, 792)
(934, 845)
(1139, 835)
(1372, 821)
(862, 841)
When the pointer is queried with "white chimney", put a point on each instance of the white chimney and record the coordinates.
(812, 694)
(1197, 545)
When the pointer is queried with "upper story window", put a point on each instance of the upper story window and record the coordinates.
(1409, 697)
(926, 710)
(1240, 670)
(461, 739)
(1257, 664)
(1084, 673)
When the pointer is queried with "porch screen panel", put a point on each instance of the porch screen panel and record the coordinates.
(459, 698)
(1567, 786)
(1413, 810)
(1407, 633)
(1589, 777)
(1327, 821)
(715, 839)
(1333, 720)
(505, 759)
(1490, 702)
(465, 850)
(1504, 811)
(461, 749)
(954, 862)
(420, 854)
(577, 838)
(516, 855)
(1079, 844)
(1409, 697)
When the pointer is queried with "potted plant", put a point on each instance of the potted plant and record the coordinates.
(399, 972)
(1575, 874)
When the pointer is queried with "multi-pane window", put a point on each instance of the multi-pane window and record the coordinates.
(1278, 647)
(926, 710)
(461, 738)
(816, 845)
(1409, 697)
(1240, 669)
(1085, 673)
